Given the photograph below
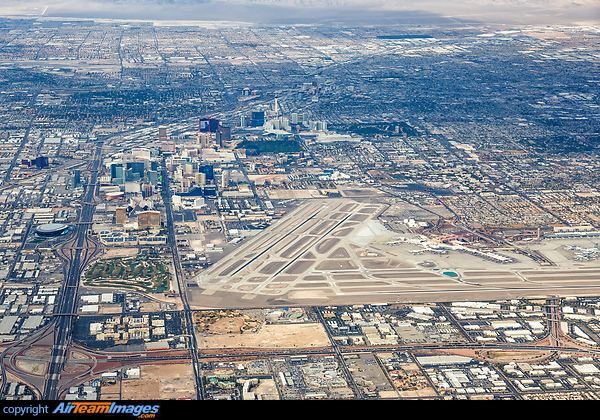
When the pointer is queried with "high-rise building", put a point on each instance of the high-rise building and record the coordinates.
(141, 152)
(153, 178)
(223, 135)
(225, 179)
(258, 119)
(41, 162)
(200, 178)
(198, 202)
(136, 167)
(120, 174)
(210, 190)
(162, 133)
(204, 140)
(321, 125)
(147, 191)
(207, 170)
(219, 139)
(148, 219)
(131, 175)
(113, 170)
(121, 215)
(76, 178)
(209, 125)
(167, 146)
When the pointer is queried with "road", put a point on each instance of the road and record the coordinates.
(80, 251)
(76, 252)
(180, 279)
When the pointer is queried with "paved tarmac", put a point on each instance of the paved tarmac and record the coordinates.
(336, 252)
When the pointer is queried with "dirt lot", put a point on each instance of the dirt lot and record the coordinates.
(287, 335)
(161, 382)
(267, 390)
(119, 252)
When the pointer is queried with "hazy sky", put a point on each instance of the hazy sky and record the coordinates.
(426, 12)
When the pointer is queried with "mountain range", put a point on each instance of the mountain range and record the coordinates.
(317, 11)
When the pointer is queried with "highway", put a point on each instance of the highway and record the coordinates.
(76, 252)
(24, 141)
(187, 313)
(80, 251)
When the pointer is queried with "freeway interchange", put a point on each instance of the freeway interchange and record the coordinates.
(54, 342)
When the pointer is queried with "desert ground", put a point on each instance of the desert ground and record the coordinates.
(272, 336)
(157, 382)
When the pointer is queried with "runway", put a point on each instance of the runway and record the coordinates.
(334, 252)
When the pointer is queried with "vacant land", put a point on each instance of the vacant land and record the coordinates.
(161, 382)
(224, 322)
(271, 336)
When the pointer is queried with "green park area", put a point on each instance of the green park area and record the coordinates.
(135, 273)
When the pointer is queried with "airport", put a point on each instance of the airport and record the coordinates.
(336, 252)
(224, 210)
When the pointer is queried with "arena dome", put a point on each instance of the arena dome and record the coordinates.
(51, 229)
